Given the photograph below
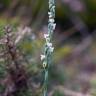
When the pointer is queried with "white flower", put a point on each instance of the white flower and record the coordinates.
(50, 14)
(46, 36)
(51, 20)
(51, 49)
(49, 44)
(54, 25)
(42, 57)
(44, 64)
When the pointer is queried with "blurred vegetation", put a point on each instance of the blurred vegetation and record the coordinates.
(67, 69)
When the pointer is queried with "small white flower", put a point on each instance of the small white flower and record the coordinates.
(46, 36)
(50, 14)
(51, 20)
(51, 49)
(49, 44)
(42, 57)
(54, 25)
(44, 64)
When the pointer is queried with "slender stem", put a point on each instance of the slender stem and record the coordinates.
(48, 48)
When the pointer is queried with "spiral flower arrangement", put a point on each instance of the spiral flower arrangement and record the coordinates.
(48, 48)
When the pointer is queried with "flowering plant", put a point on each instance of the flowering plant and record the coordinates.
(48, 48)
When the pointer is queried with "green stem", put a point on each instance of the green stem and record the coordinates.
(48, 49)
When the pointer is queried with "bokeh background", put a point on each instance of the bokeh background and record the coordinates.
(73, 69)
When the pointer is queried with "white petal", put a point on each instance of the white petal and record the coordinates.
(54, 25)
(50, 14)
(51, 49)
(46, 36)
(51, 20)
(42, 57)
(49, 44)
